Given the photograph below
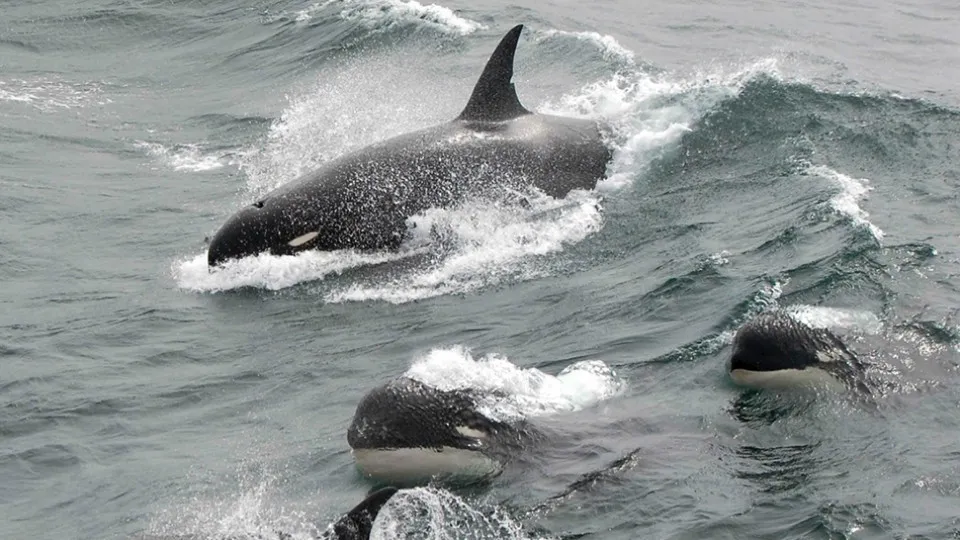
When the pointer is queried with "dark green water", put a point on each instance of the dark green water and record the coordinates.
(803, 157)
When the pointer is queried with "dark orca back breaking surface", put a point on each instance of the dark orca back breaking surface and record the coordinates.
(775, 350)
(362, 199)
(407, 432)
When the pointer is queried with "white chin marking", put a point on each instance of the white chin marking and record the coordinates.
(785, 379)
(408, 465)
(467, 431)
(303, 239)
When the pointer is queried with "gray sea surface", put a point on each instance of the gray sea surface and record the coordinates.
(793, 155)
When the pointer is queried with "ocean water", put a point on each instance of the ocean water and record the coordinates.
(801, 156)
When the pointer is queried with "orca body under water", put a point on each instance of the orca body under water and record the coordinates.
(363, 199)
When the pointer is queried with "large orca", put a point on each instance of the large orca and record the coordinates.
(362, 200)
(406, 432)
(776, 351)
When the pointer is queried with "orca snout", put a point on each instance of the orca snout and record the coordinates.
(259, 228)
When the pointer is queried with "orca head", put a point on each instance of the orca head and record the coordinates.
(406, 431)
(777, 351)
(272, 225)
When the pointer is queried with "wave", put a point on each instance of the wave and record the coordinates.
(846, 202)
(385, 14)
(610, 49)
(528, 392)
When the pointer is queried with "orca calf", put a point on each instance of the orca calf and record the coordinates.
(406, 432)
(362, 200)
(776, 351)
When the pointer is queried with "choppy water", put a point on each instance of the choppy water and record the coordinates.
(802, 156)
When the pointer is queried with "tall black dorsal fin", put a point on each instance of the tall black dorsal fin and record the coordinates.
(494, 97)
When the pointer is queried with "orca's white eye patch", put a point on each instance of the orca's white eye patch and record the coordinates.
(303, 239)
(470, 432)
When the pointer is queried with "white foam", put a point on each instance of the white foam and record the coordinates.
(436, 514)
(185, 157)
(382, 14)
(51, 94)
(486, 244)
(272, 272)
(831, 317)
(529, 392)
(847, 201)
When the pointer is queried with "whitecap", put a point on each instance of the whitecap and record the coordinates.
(522, 392)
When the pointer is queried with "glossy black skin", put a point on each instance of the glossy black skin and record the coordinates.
(406, 413)
(362, 200)
(774, 341)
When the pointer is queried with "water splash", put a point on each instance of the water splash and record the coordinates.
(529, 392)
(435, 514)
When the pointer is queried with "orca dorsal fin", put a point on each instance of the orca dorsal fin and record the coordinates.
(494, 97)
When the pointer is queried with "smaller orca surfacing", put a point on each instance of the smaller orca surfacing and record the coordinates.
(776, 351)
(362, 200)
(405, 432)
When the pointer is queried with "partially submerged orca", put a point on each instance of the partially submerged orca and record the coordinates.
(406, 432)
(362, 200)
(776, 351)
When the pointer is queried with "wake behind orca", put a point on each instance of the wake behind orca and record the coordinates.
(362, 200)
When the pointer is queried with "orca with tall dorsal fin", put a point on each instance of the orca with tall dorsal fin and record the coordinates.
(362, 200)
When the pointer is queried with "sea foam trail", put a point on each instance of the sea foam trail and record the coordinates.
(528, 392)
(383, 14)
